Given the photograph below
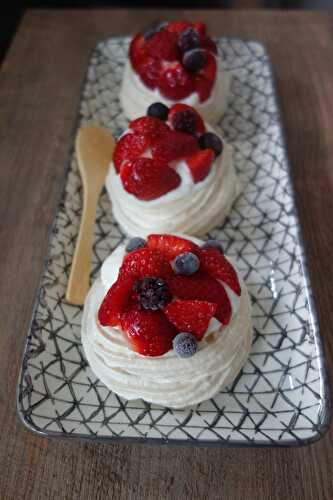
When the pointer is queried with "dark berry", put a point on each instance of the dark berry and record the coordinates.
(194, 60)
(153, 293)
(184, 121)
(150, 32)
(208, 140)
(135, 243)
(186, 264)
(213, 244)
(185, 345)
(188, 40)
(158, 110)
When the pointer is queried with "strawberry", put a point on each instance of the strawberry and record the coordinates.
(130, 146)
(215, 264)
(174, 145)
(137, 51)
(171, 246)
(148, 333)
(201, 29)
(152, 128)
(163, 46)
(209, 70)
(175, 82)
(191, 316)
(178, 108)
(200, 164)
(209, 45)
(149, 69)
(115, 301)
(203, 87)
(143, 263)
(148, 178)
(201, 286)
(177, 27)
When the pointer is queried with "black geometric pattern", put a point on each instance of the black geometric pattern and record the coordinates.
(281, 396)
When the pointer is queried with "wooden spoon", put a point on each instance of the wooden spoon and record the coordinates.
(94, 147)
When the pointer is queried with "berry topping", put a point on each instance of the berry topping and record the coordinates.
(115, 302)
(148, 332)
(128, 147)
(189, 39)
(137, 51)
(213, 244)
(163, 45)
(186, 264)
(201, 29)
(158, 110)
(149, 70)
(148, 178)
(150, 32)
(184, 118)
(215, 264)
(173, 146)
(135, 243)
(194, 60)
(151, 128)
(153, 293)
(177, 27)
(175, 82)
(191, 316)
(185, 345)
(200, 164)
(212, 141)
(143, 263)
(171, 246)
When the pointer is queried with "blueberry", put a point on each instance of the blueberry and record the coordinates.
(158, 110)
(185, 345)
(135, 243)
(213, 244)
(189, 39)
(186, 264)
(194, 60)
(184, 121)
(153, 293)
(212, 141)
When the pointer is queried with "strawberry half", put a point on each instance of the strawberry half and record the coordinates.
(191, 316)
(137, 51)
(215, 264)
(144, 263)
(199, 124)
(128, 147)
(152, 128)
(177, 27)
(148, 178)
(171, 246)
(200, 164)
(149, 70)
(163, 46)
(174, 145)
(175, 82)
(149, 333)
(115, 302)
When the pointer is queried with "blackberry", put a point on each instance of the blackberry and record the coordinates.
(194, 60)
(185, 345)
(184, 121)
(189, 39)
(212, 141)
(158, 110)
(153, 293)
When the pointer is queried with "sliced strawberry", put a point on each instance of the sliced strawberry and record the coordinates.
(152, 128)
(210, 68)
(149, 70)
(163, 45)
(200, 164)
(115, 301)
(178, 27)
(203, 87)
(174, 145)
(201, 29)
(171, 246)
(176, 108)
(148, 333)
(209, 45)
(201, 286)
(148, 178)
(137, 51)
(215, 264)
(130, 146)
(175, 82)
(144, 263)
(191, 316)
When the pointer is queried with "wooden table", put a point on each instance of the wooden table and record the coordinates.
(39, 92)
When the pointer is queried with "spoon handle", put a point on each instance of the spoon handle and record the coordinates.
(78, 283)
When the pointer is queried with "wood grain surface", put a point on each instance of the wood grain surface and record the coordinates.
(39, 92)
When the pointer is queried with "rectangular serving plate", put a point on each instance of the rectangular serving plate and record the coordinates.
(281, 397)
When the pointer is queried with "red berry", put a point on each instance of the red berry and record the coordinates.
(149, 69)
(115, 301)
(203, 87)
(175, 82)
(200, 164)
(201, 29)
(137, 51)
(151, 128)
(201, 286)
(209, 45)
(144, 263)
(174, 145)
(191, 316)
(178, 27)
(176, 108)
(171, 246)
(215, 264)
(163, 45)
(130, 146)
(148, 333)
(148, 178)
(209, 70)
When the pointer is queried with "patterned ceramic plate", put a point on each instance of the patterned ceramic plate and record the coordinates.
(281, 396)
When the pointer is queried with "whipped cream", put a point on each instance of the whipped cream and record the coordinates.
(166, 380)
(192, 208)
(135, 96)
